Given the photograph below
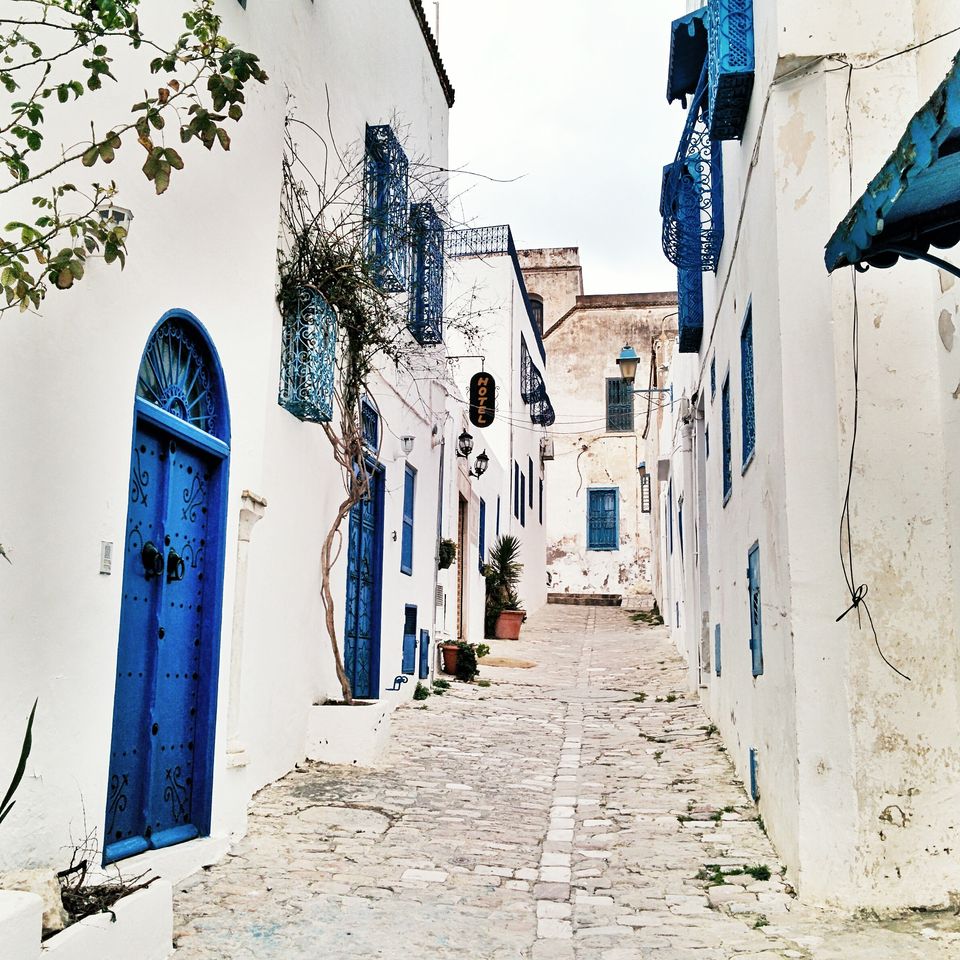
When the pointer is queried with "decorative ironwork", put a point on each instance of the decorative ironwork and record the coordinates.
(177, 795)
(398, 681)
(174, 375)
(426, 294)
(690, 303)
(139, 478)
(116, 803)
(533, 389)
(731, 66)
(308, 357)
(478, 241)
(527, 386)
(385, 176)
(370, 424)
(727, 443)
(691, 200)
(748, 413)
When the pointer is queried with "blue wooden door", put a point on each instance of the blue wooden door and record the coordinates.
(756, 624)
(167, 664)
(361, 640)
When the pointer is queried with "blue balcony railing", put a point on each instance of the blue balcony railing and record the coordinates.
(308, 357)
(691, 200)
(690, 304)
(731, 64)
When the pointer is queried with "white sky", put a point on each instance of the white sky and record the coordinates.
(570, 96)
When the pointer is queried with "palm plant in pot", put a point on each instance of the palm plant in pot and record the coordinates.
(504, 612)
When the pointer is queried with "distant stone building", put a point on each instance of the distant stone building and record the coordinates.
(598, 540)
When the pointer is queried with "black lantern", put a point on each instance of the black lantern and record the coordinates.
(480, 465)
(464, 444)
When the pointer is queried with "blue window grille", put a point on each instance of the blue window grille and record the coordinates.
(369, 424)
(730, 59)
(526, 372)
(756, 625)
(530, 480)
(603, 518)
(409, 640)
(725, 418)
(516, 490)
(426, 294)
(406, 536)
(716, 649)
(619, 405)
(691, 198)
(533, 389)
(690, 309)
(754, 775)
(523, 500)
(385, 182)
(482, 536)
(713, 378)
(308, 357)
(540, 502)
(747, 407)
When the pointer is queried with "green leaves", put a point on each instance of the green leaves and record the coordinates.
(7, 804)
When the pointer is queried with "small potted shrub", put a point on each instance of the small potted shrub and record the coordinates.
(460, 659)
(504, 612)
(450, 653)
(446, 554)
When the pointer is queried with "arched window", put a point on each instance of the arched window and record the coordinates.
(536, 308)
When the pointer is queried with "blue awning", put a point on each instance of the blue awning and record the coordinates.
(913, 203)
(688, 50)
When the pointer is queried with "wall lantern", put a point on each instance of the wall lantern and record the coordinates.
(406, 445)
(627, 362)
(464, 444)
(480, 465)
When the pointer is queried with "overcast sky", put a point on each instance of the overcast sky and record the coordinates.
(568, 95)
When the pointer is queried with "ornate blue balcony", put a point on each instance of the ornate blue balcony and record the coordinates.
(308, 357)
(691, 200)
(385, 182)
(426, 293)
(690, 317)
(731, 63)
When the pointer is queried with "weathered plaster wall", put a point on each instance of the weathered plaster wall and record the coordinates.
(554, 274)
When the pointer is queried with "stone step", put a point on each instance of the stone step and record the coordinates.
(586, 599)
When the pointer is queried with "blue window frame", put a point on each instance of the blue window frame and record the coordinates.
(385, 182)
(619, 405)
(307, 357)
(530, 480)
(516, 490)
(409, 640)
(523, 500)
(603, 518)
(406, 536)
(747, 407)
(498, 515)
(756, 620)
(716, 649)
(482, 536)
(426, 290)
(725, 417)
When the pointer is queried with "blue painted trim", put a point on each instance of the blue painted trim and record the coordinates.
(616, 517)
(482, 534)
(754, 585)
(424, 654)
(171, 424)
(409, 656)
(407, 525)
(754, 775)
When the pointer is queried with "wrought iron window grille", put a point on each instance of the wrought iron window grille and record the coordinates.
(370, 424)
(726, 439)
(691, 200)
(690, 310)
(730, 59)
(620, 416)
(747, 401)
(308, 357)
(426, 294)
(386, 185)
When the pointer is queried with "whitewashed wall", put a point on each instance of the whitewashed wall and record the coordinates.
(209, 246)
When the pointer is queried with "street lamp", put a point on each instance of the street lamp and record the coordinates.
(464, 445)
(480, 465)
(627, 362)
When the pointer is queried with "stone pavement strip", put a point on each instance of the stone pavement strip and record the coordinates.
(580, 808)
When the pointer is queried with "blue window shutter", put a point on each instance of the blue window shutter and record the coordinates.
(409, 640)
(541, 503)
(498, 515)
(706, 439)
(603, 519)
(523, 500)
(754, 775)
(424, 654)
(619, 405)
(756, 624)
(386, 185)
(747, 411)
(670, 515)
(516, 489)
(406, 544)
(483, 533)
(716, 649)
(725, 417)
(530, 480)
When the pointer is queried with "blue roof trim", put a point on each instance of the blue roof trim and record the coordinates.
(688, 51)
(914, 200)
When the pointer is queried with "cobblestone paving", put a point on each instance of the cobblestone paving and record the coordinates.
(577, 809)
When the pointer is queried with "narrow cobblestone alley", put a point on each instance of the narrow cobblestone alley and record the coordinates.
(579, 808)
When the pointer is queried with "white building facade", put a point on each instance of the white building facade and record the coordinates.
(853, 765)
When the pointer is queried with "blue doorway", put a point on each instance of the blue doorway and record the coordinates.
(361, 636)
(161, 755)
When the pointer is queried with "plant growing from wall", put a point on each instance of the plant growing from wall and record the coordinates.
(7, 803)
(502, 574)
(324, 250)
(56, 52)
(446, 554)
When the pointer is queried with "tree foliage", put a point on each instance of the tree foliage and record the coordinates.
(54, 55)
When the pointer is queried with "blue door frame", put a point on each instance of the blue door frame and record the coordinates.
(162, 747)
(361, 635)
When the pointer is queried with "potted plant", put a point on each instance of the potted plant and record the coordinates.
(446, 554)
(450, 652)
(460, 659)
(504, 612)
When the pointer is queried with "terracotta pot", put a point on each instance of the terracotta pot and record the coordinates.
(508, 624)
(450, 652)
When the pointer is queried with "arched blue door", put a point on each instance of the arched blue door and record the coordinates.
(161, 755)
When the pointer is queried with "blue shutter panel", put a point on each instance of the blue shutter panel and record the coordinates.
(530, 480)
(603, 519)
(756, 626)
(406, 545)
(747, 413)
(725, 417)
(523, 500)
(498, 515)
(482, 538)
(409, 640)
(424, 654)
(716, 649)
(516, 489)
